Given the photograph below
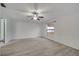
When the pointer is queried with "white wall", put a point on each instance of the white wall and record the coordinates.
(0, 29)
(9, 30)
(67, 25)
(22, 29)
(43, 31)
(0, 22)
(27, 30)
(67, 32)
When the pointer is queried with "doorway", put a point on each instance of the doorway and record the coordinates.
(51, 29)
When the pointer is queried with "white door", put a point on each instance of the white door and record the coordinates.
(2, 29)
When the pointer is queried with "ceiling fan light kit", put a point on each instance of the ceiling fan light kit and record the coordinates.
(35, 17)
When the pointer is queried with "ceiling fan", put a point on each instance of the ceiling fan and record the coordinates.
(35, 14)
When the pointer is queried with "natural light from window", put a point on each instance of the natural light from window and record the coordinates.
(50, 29)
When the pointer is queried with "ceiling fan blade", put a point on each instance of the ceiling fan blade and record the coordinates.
(3, 5)
(29, 16)
(41, 17)
(38, 19)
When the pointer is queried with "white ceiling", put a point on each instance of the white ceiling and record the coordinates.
(51, 11)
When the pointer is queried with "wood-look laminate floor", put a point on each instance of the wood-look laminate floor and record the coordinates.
(37, 47)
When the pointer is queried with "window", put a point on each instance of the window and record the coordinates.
(50, 29)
